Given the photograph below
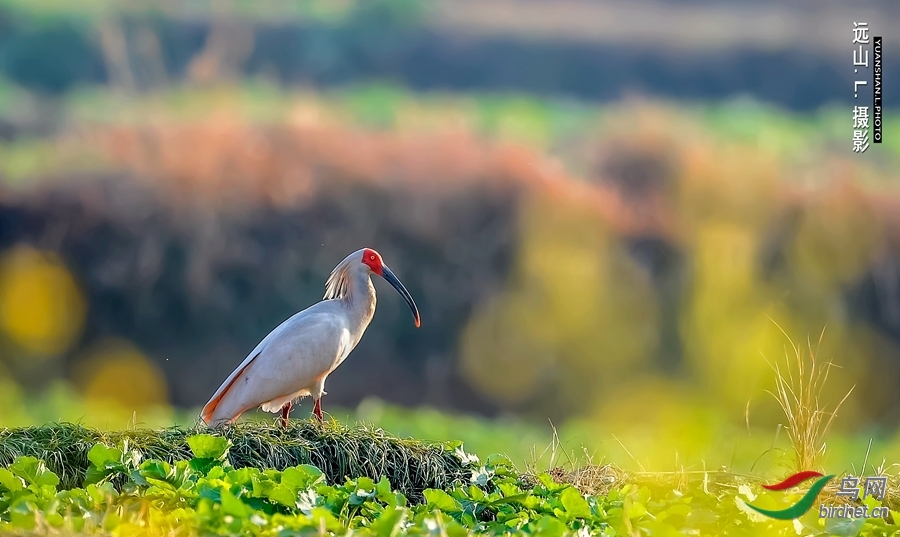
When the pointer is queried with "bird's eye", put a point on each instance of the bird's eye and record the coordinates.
(372, 258)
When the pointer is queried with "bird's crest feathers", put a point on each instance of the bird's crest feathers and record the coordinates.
(338, 283)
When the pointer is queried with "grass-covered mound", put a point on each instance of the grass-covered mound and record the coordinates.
(340, 452)
(206, 495)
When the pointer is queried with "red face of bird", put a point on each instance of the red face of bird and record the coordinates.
(372, 259)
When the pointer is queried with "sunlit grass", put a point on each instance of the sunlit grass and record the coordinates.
(798, 389)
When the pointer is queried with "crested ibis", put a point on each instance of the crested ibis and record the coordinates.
(294, 360)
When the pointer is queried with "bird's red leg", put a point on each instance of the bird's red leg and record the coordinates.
(285, 410)
(317, 410)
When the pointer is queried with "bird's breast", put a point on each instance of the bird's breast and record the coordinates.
(347, 344)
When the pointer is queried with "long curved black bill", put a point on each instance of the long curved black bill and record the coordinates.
(388, 275)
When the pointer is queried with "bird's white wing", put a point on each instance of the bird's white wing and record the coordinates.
(291, 358)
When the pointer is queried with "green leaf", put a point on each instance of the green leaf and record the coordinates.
(548, 526)
(153, 469)
(33, 471)
(517, 499)
(231, 505)
(362, 494)
(136, 478)
(11, 482)
(95, 475)
(635, 509)
(283, 495)
(547, 481)
(844, 527)
(575, 504)
(22, 518)
(259, 506)
(77, 524)
(498, 460)
(102, 456)
(262, 485)
(384, 493)
(217, 472)
(207, 446)
(323, 517)
(441, 500)
(104, 461)
(389, 522)
(242, 477)
(203, 465)
(508, 489)
(301, 477)
(111, 521)
(99, 494)
(54, 520)
(205, 490)
(532, 502)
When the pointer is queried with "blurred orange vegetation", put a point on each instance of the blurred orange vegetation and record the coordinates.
(228, 163)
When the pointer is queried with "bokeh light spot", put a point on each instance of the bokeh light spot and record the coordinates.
(117, 371)
(42, 309)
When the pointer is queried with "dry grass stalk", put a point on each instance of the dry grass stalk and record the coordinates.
(798, 389)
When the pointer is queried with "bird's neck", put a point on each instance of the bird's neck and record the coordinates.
(360, 298)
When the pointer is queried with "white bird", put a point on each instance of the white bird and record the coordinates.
(294, 360)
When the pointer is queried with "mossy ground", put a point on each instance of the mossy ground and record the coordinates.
(341, 452)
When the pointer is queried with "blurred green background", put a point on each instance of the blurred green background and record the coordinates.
(611, 215)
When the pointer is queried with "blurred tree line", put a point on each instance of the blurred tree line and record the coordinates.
(141, 46)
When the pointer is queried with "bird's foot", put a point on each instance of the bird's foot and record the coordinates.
(285, 411)
(317, 410)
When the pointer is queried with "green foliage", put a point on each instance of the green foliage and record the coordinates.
(206, 494)
(211, 496)
(78, 454)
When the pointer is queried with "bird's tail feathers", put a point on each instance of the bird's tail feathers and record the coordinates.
(209, 410)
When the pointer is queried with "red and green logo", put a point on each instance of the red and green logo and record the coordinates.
(804, 504)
